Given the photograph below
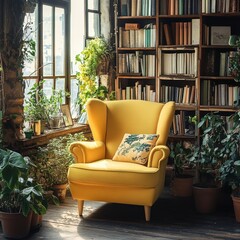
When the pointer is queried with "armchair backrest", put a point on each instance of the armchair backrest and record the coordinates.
(110, 120)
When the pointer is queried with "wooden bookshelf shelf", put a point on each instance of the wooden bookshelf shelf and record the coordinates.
(190, 63)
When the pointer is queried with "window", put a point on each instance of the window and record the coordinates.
(93, 18)
(50, 24)
(51, 31)
(87, 13)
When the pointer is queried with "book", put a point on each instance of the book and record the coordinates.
(167, 34)
(132, 26)
(125, 7)
(189, 41)
(195, 31)
(181, 7)
(172, 7)
(223, 64)
(177, 33)
(185, 33)
(134, 8)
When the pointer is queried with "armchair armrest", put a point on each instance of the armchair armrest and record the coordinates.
(157, 155)
(86, 152)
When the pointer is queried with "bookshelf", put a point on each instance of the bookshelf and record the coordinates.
(182, 55)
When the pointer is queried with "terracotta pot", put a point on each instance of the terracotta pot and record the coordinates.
(182, 186)
(60, 191)
(236, 205)
(36, 222)
(15, 225)
(205, 198)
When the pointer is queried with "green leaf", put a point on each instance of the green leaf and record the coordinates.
(10, 175)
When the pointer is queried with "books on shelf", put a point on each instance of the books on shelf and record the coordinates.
(181, 125)
(136, 63)
(138, 8)
(180, 94)
(178, 63)
(218, 94)
(132, 36)
(137, 91)
(182, 33)
(179, 7)
(220, 6)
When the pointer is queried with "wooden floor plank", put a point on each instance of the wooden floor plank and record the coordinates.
(172, 218)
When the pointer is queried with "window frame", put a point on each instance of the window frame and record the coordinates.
(65, 5)
(88, 11)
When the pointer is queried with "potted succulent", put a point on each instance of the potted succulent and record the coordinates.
(94, 61)
(183, 180)
(20, 196)
(208, 158)
(230, 169)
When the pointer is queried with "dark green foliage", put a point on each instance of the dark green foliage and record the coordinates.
(53, 160)
(208, 157)
(230, 169)
(18, 192)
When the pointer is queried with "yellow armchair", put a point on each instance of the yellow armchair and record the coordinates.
(96, 176)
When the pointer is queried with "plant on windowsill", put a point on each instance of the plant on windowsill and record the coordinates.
(20, 196)
(208, 158)
(94, 61)
(53, 109)
(35, 106)
(46, 109)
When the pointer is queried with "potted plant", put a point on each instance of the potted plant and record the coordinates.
(183, 180)
(207, 159)
(35, 107)
(230, 169)
(52, 160)
(20, 196)
(39, 108)
(94, 61)
(53, 108)
(234, 58)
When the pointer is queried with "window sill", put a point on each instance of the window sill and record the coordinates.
(26, 145)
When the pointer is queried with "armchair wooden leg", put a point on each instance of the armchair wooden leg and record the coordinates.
(147, 210)
(80, 207)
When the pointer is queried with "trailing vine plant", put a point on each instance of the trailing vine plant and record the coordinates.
(94, 60)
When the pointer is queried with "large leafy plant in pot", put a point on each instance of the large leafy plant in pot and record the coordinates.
(20, 196)
(181, 152)
(230, 169)
(208, 159)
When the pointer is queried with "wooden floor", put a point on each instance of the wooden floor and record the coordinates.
(172, 218)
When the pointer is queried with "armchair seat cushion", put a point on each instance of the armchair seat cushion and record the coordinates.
(107, 172)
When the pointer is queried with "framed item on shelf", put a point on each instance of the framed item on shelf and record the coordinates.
(220, 35)
(66, 115)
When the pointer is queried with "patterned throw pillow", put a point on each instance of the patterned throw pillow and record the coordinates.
(135, 148)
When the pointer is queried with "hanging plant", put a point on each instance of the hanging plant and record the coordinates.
(93, 61)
